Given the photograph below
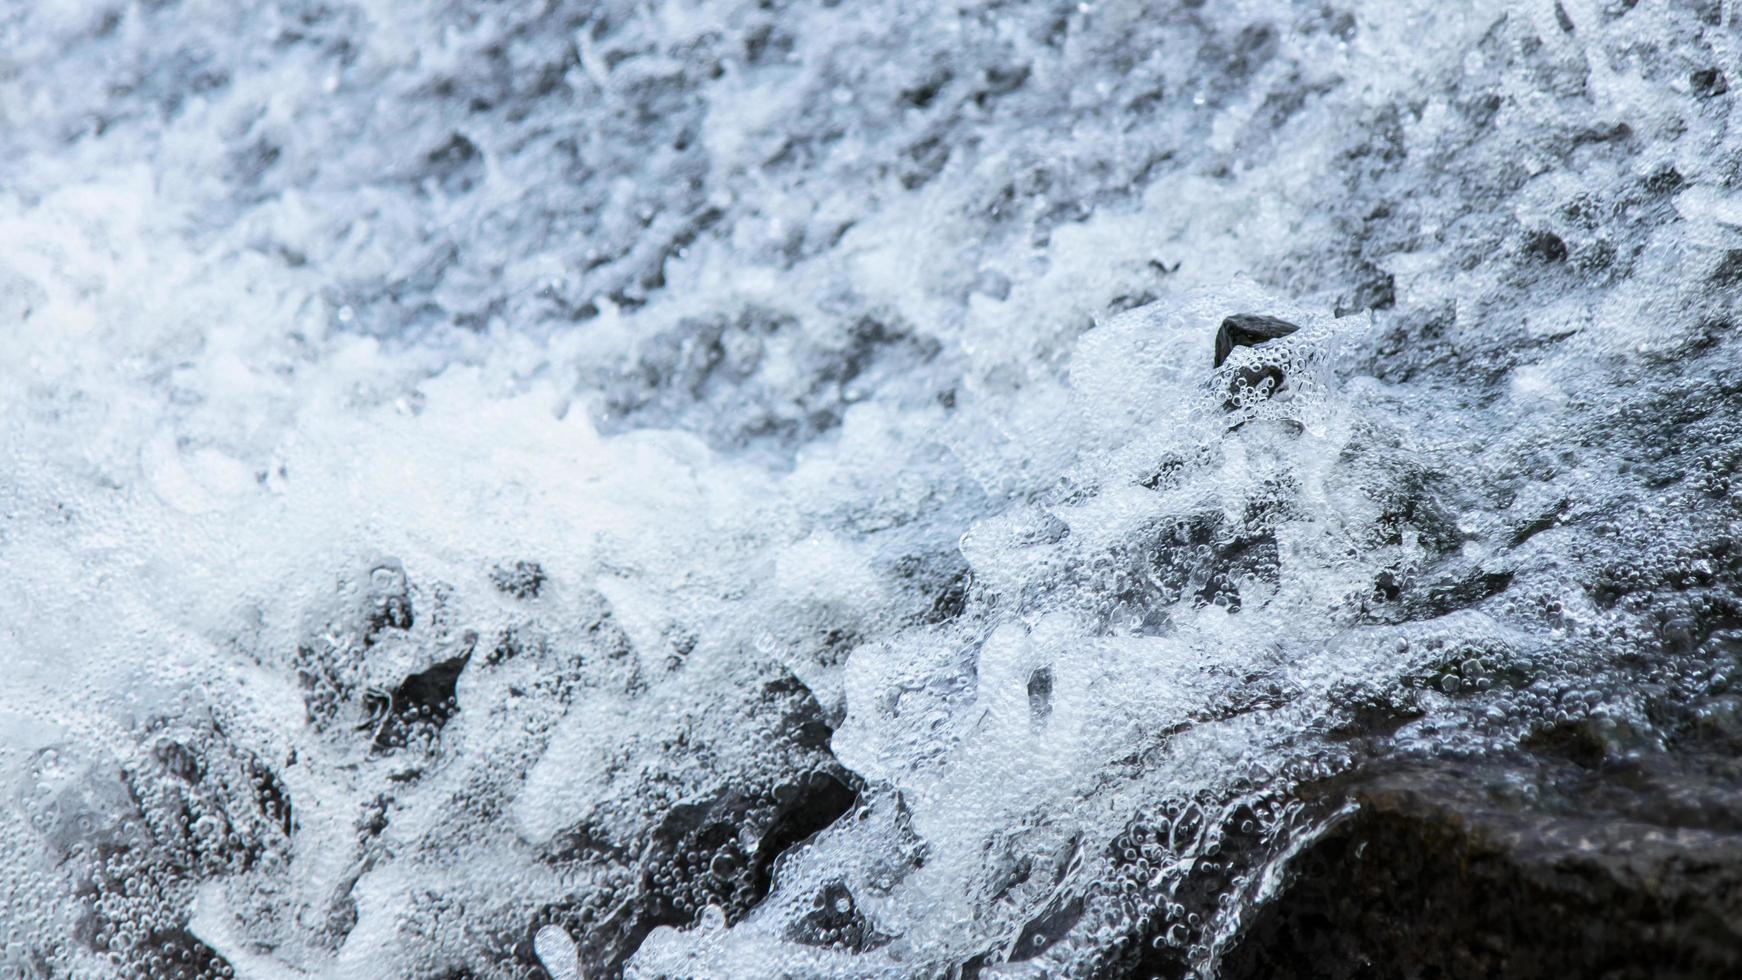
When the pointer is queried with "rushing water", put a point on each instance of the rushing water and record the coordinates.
(715, 489)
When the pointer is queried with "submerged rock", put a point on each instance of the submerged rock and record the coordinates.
(1708, 82)
(521, 580)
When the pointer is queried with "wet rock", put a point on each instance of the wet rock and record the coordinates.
(1377, 292)
(696, 858)
(717, 848)
(455, 166)
(1456, 590)
(1206, 558)
(1252, 330)
(270, 795)
(208, 806)
(180, 760)
(1728, 271)
(174, 954)
(1044, 930)
(761, 378)
(836, 922)
(603, 136)
(1665, 180)
(522, 580)
(1564, 22)
(1249, 330)
(1167, 939)
(1362, 710)
(419, 707)
(1551, 517)
(1040, 696)
(1452, 871)
(950, 601)
(388, 600)
(941, 582)
(1545, 247)
(1708, 82)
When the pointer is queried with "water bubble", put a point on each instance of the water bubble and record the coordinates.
(557, 953)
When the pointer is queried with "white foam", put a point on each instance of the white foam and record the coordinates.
(908, 396)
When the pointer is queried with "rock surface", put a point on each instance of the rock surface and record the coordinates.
(1484, 871)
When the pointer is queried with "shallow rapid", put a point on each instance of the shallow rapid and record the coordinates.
(744, 489)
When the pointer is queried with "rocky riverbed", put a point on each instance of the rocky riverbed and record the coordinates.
(753, 489)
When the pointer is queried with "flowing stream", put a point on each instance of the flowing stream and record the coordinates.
(740, 489)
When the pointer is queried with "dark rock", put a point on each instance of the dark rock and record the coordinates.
(1728, 271)
(1254, 557)
(522, 580)
(419, 707)
(1040, 696)
(1708, 82)
(1545, 246)
(921, 95)
(695, 858)
(1618, 133)
(1591, 742)
(1379, 292)
(323, 672)
(1414, 498)
(1130, 301)
(1362, 710)
(174, 954)
(270, 795)
(951, 601)
(730, 378)
(836, 922)
(1542, 522)
(1664, 181)
(716, 850)
(389, 601)
(456, 166)
(179, 760)
(1456, 588)
(1047, 928)
(1210, 550)
(245, 803)
(941, 582)
(999, 82)
(1166, 937)
(1251, 330)
(1255, 45)
(509, 644)
(809, 808)
(1561, 19)
(1448, 872)
(1386, 588)
(922, 161)
(1248, 330)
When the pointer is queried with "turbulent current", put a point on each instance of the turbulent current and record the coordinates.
(715, 489)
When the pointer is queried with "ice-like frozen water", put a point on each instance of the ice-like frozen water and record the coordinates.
(740, 489)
